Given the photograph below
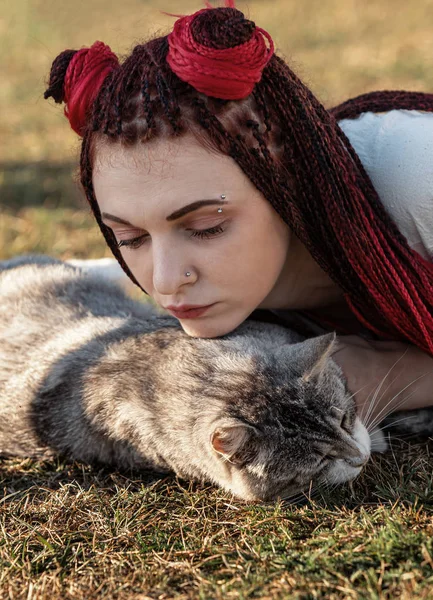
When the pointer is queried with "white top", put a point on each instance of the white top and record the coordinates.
(396, 149)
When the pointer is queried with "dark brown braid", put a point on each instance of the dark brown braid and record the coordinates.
(57, 76)
(294, 152)
(382, 102)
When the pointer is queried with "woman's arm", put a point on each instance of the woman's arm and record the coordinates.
(385, 376)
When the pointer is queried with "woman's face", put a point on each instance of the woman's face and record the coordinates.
(234, 246)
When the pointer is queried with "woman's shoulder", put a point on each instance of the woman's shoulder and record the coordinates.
(396, 149)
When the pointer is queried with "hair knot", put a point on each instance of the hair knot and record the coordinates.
(57, 76)
(76, 78)
(221, 28)
(219, 52)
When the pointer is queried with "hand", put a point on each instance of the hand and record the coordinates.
(385, 376)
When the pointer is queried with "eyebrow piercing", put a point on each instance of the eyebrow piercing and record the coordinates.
(220, 210)
(223, 196)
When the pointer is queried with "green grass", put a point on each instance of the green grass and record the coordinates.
(70, 531)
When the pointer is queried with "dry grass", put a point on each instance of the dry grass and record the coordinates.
(73, 532)
(63, 233)
(70, 531)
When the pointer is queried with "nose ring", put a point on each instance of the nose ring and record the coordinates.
(187, 274)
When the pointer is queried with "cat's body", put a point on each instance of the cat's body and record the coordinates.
(89, 373)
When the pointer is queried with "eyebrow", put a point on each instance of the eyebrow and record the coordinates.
(177, 214)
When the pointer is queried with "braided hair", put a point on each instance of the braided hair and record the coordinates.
(280, 135)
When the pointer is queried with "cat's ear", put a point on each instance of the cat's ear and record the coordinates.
(324, 347)
(235, 441)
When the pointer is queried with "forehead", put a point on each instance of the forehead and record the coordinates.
(164, 175)
(180, 159)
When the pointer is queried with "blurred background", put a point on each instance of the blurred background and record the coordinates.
(338, 48)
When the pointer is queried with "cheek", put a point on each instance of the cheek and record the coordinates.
(256, 256)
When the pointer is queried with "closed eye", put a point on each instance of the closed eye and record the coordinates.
(133, 242)
(138, 241)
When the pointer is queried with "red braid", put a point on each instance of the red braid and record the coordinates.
(399, 280)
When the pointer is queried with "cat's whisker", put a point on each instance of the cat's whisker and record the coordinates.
(361, 416)
(399, 436)
(378, 388)
(357, 392)
(376, 422)
(370, 405)
(402, 420)
(398, 374)
(295, 498)
(375, 433)
(330, 487)
(388, 386)
(380, 417)
(373, 405)
(402, 437)
(394, 408)
(375, 400)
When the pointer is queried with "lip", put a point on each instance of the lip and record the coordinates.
(187, 311)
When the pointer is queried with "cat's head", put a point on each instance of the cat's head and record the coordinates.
(286, 421)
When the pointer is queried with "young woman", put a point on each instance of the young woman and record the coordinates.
(223, 186)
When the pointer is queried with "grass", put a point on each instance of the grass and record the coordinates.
(64, 233)
(339, 48)
(71, 531)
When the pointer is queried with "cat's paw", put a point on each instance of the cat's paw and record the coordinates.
(378, 441)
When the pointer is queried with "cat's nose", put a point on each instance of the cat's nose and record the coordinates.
(357, 461)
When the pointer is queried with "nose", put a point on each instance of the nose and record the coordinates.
(169, 266)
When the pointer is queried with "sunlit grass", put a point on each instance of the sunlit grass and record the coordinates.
(73, 532)
(339, 48)
(63, 233)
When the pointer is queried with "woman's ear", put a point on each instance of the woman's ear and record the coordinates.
(235, 441)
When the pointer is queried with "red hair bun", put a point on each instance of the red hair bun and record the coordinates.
(219, 52)
(76, 77)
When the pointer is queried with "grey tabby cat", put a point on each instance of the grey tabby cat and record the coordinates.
(88, 373)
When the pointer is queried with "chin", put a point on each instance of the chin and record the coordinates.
(199, 328)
